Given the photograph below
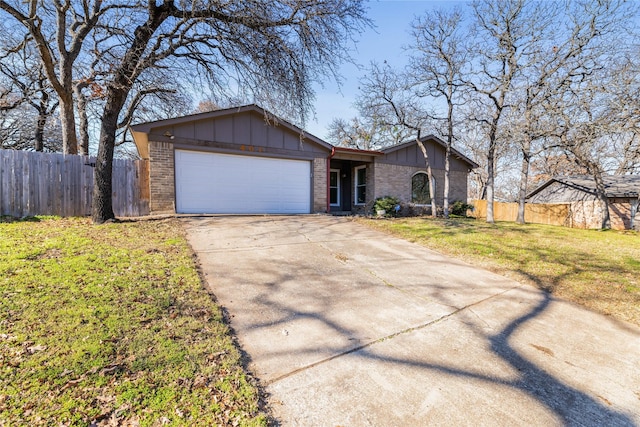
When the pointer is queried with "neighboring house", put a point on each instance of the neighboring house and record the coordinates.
(246, 161)
(579, 191)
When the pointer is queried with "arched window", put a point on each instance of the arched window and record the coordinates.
(420, 189)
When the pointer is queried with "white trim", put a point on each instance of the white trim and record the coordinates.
(356, 184)
(337, 171)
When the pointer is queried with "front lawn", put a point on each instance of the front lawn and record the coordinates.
(598, 269)
(110, 325)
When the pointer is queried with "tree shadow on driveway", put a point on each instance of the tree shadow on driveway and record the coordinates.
(307, 316)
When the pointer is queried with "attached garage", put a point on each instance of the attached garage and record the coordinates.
(240, 160)
(216, 183)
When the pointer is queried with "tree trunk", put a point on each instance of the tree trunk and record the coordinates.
(491, 157)
(447, 154)
(68, 122)
(125, 76)
(83, 124)
(41, 105)
(102, 207)
(432, 188)
(490, 177)
(601, 195)
(38, 138)
(636, 216)
(447, 167)
(524, 180)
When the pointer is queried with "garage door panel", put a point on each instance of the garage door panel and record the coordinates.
(225, 183)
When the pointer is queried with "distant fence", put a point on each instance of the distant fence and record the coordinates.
(57, 184)
(537, 213)
(578, 214)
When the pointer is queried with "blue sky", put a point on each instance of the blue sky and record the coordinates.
(384, 43)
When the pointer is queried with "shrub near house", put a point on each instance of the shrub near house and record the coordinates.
(387, 206)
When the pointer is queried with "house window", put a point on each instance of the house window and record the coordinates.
(361, 185)
(420, 189)
(334, 187)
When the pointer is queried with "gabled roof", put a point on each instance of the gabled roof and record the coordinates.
(455, 152)
(147, 126)
(615, 185)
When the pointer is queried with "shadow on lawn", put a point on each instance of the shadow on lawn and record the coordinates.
(9, 219)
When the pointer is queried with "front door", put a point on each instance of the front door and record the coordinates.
(334, 188)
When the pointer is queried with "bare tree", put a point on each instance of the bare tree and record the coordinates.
(472, 139)
(409, 100)
(206, 106)
(624, 94)
(499, 28)
(386, 95)
(584, 130)
(366, 132)
(151, 100)
(593, 106)
(540, 60)
(553, 162)
(59, 29)
(353, 133)
(437, 64)
(567, 44)
(19, 67)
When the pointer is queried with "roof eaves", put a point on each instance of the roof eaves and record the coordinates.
(574, 182)
(457, 153)
(147, 126)
(359, 151)
(541, 187)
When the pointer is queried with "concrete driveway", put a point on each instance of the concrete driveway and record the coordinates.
(346, 326)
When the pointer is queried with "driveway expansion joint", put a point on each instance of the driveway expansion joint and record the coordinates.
(388, 337)
(397, 288)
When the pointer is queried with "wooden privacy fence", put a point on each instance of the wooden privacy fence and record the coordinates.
(57, 184)
(537, 213)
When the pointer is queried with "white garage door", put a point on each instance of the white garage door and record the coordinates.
(231, 184)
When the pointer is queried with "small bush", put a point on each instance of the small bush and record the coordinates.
(387, 204)
(459, 208)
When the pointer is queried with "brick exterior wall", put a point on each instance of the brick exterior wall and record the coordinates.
(162, 194)
(620, 213)
(319, 185)
(395, 180)
(588, 214)
(458, 189)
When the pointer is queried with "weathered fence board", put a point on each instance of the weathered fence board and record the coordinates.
(58, 184)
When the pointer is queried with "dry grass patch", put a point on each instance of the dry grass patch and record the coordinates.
(110, 325)
(598, 269)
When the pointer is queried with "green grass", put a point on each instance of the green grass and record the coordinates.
(598, 269)
(111, 324)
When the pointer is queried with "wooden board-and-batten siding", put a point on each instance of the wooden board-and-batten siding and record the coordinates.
(57, 184)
